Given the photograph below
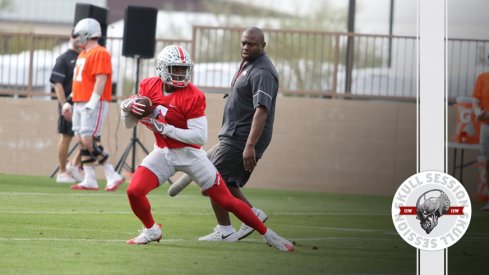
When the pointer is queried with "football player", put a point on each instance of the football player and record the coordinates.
(179, 125)
(92, 91)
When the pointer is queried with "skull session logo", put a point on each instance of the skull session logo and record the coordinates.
(428, 210)
(431, 210)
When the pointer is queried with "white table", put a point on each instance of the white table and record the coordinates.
(459, 163)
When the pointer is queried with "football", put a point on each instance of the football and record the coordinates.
(142, 105)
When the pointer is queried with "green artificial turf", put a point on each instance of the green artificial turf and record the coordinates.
(46, 228)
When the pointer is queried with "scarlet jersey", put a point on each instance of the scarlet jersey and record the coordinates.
(88, 66)
(183, 104)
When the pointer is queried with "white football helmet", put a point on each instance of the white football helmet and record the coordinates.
(85, 29)
(170, 57)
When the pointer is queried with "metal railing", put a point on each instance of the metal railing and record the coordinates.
(313, 63)
(308, 62)
(26, 62)
(467, 58)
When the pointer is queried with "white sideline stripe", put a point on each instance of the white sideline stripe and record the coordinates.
(178, 240)
(182, 240)
(66, 212)
(180, 213)
(105, 194)
(78, 240)
(81, 194)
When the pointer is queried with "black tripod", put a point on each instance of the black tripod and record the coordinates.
(131, 147)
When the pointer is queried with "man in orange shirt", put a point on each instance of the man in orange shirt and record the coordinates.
(92, 91)
(481, 109)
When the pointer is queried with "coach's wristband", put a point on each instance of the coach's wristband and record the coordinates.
(69, 99)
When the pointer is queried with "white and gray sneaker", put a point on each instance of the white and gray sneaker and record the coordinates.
(245, 230)
(273, 239)
(64, 177)
(218, 235)
(75, 172)
(147, 235)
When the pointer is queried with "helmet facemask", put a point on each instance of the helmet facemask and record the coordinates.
(81, 38)
(175, 75)
(174, 66)
(86, 29)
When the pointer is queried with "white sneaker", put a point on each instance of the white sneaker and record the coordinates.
(245, 230)
(273, 239)
(113, 182)
(486, 207)
(86, 184)
(217, 235)
(75, 172)
(148, 235)
(64, 178)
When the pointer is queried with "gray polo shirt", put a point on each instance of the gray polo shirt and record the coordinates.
(256, 85)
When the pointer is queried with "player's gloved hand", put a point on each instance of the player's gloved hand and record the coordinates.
(133, 106)
(138, 108)
(130, 105)
(126, 104)
(155, 125)
(92, 103)
(159, 112)
(67, 111)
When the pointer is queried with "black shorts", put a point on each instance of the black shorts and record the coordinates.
(65, 127)
(229, 162)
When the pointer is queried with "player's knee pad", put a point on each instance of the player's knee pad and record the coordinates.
(103, 155)
(98, 152)
(87, 157)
